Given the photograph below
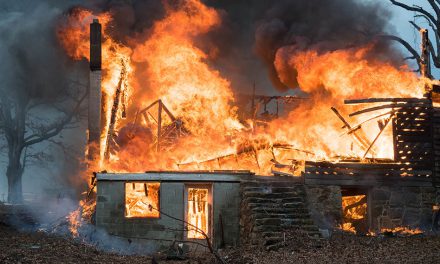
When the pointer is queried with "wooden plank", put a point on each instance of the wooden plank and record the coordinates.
(309, 181)
(375, 108)
(362, 141)
(412, 139)
(342, 169)
(337, 174)
(413, 145)
(387, 100)
(422, 134)
(356, 165)
(368, 178)
(313, 174)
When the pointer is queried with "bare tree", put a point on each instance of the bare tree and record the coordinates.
(433, 20)
(22, 131)
(38, 99)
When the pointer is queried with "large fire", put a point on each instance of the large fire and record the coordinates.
(167, 65)
(203, 100)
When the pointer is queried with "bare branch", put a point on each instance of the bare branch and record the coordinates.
(417, 9)
(409, 58)
(433, 27)
(55, 128)
(411, 50)
(435, 7)
(208, 241)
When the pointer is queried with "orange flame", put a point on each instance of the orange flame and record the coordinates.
(178, 74)
(329, 78)
(168, 65)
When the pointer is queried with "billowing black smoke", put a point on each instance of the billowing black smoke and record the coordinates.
(317, 24)
(252, 31)
(129, 18)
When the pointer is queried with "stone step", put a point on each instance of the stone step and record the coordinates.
(265, 189)
(260, 235)
(276, 205)
(283, 222)
(273, 200)
(272, 210)
(271, 184)
(271, 195)
(280, 216)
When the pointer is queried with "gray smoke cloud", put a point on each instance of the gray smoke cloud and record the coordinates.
(35, 66)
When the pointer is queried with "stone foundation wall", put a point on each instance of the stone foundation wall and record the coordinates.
(388, 206)
(401, 206)
(325, 205)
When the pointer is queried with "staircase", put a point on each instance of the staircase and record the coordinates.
(271, 207)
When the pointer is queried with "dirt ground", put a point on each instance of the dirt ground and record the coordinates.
(39, 247)
(348, 248)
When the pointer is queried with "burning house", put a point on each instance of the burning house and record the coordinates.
(181, 163)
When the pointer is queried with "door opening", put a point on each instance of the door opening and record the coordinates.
(355, 210)
(198, 211)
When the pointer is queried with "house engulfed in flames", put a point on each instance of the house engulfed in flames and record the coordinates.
(181, 164)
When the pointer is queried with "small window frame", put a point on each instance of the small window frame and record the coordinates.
(158, 203)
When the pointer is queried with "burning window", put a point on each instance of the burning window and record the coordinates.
(198, 215)
(355, 213)
(142, 199)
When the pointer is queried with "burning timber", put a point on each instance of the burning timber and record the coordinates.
(236, 207)
(175, 177)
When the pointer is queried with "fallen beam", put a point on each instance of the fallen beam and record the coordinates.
(371, 109)
(387, 100)
(361, 140)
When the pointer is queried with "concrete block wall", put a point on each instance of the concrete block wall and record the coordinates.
(226, 201)
(110, 214)
(157, 233)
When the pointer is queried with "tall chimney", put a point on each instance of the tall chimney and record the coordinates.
(94, 113)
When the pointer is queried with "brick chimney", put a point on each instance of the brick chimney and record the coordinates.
(94, 113)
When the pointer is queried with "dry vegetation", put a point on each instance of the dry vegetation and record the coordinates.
(37, 247)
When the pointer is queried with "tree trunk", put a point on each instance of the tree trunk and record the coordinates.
(15, 138)
(14, 174)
